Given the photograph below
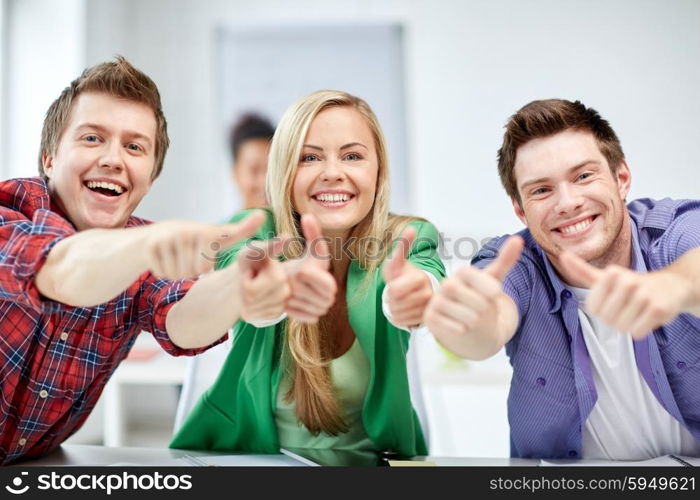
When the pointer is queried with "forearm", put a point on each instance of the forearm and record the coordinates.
(482, 343)
(93, 266)
(207, 311)
(687, 267)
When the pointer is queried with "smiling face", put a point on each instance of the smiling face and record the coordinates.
(336, 179)
(104, 160)
(571, 200)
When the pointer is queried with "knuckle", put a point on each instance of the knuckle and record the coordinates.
(464, 273)
(657, 310)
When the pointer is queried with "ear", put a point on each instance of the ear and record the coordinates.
(518, 209)
(624, 179)
(47, 164)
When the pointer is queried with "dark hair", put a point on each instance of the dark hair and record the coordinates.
(249, 126)
(119, 79)
(545, 118)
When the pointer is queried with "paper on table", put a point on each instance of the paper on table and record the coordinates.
(411, 463)
(694, 461)
(243, 460)
(665, 461)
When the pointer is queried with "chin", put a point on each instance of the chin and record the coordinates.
(106, 223)
(589, 251)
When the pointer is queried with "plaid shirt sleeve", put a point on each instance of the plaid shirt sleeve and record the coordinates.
(156, 298)
(24, 246)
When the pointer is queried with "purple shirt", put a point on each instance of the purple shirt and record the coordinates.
(552, 390)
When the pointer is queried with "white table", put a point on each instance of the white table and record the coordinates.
(89, 455)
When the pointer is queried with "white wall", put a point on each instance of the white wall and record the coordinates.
(470, 65)
(45, 51)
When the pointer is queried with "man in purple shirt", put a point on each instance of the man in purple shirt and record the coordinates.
(597, 302)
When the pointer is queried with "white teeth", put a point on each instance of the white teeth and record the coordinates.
(333, 197)
(577, 227)
(105, 185)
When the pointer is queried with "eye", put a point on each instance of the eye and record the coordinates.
(539, 191)
(353, 157)
(308, 158)
(584, 176)
(92, 138)
(134, 147)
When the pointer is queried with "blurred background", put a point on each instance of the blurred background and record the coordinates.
(443, 76)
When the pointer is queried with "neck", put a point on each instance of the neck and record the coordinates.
(339, 270)
(340, 259)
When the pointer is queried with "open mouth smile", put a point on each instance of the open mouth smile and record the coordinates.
(333, 199)
(105, 188)
(576, 228)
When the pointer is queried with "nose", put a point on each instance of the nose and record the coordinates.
(569, 199)
(332, 171)
(112, 156)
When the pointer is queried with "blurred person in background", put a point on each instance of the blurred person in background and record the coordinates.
(249, 142)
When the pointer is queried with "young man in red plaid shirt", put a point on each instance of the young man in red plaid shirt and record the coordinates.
(80, 277)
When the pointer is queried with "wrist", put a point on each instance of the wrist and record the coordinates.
(143, 242)
(680, 286)
(691, 296)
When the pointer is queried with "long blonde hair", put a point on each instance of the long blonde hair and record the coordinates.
(309, 347)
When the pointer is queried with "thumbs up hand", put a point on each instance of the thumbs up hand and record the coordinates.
(176, 249)
(264, 289)
(313, 288)
(626, 300)
(470, 302)
(408, 288)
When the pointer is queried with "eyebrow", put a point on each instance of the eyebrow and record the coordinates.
(572, 169)
(346, 146)
(100, 128)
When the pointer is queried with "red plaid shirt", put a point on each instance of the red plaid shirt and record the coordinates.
(56, 359)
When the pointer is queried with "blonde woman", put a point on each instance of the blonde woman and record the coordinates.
(330, 371)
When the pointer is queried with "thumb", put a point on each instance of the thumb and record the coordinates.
(227, 235)
(316, 243)
(576, 266)
(397, 261)
(507, 257)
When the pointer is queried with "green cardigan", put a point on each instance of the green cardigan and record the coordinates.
(237, 412)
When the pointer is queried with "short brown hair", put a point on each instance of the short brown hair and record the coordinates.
(119, 79)
(545, 118)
